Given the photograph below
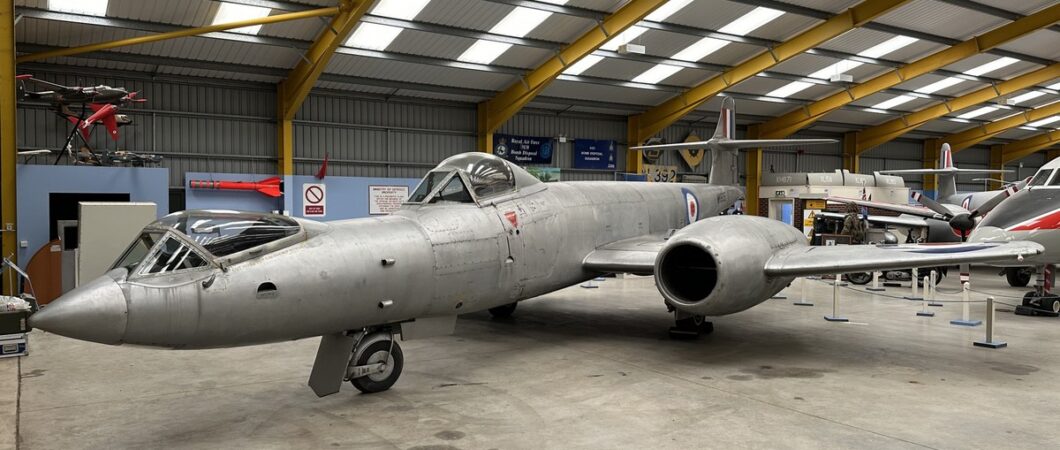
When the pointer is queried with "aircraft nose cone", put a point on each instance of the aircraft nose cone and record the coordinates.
(94, 312)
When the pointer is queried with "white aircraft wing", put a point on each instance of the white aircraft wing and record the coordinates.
(901, 221)
(757, 143)
(942, 171)
(799, 261)
(919, 211)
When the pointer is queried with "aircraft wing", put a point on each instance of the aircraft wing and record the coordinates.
(901, 221)
(757, 143)
(903, 209)
(635, 255)
(816, 260)
(941, 171)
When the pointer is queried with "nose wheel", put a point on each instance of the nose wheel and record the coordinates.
(376, 363)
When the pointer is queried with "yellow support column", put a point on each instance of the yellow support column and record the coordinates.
(284, 137)
(1026, 147)
(932, 148)
(634, 158)
(484, 140)
(753, 181)
(997, 162)
(8, 150)
(1052, 154)
(851, 152)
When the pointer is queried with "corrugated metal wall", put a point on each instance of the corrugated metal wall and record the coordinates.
(202, 125)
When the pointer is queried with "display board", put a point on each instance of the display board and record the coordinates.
(593, 154)
(523, 150)
(386, 199)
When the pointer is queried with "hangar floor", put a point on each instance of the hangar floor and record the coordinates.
(577, 368)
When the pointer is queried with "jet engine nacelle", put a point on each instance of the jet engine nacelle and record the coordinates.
(717, 266)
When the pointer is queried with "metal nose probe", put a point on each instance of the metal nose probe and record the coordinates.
(96, 311)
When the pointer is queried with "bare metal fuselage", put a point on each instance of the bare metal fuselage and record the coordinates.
(426, 260)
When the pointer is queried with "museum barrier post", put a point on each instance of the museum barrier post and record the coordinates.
(990, 342)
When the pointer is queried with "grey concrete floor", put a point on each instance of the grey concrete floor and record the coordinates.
(579, 368)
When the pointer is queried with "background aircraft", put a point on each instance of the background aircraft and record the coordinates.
(947, 174)
(478, 233)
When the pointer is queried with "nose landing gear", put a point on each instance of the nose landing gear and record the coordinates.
(376, 363)
(689, 326)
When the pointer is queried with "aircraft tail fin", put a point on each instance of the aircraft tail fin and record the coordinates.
(945, 157)
(726, 128)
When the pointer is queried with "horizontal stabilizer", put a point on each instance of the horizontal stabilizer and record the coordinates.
(759, 143)
(952, 170)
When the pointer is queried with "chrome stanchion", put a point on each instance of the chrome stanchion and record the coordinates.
(990, 342)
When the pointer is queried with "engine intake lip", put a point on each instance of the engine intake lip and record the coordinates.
(686, 272)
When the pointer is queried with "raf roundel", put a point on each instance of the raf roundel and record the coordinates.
(691, 206)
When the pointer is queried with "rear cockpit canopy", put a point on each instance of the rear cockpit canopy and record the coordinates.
(199, 239)
(473, 177)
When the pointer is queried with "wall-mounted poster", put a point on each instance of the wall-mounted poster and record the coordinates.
(523, 149)
(593, 154)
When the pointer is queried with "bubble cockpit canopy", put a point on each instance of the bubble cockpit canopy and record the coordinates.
(192, 239)
(468, 177)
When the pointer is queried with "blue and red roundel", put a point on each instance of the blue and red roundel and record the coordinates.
(691, 205)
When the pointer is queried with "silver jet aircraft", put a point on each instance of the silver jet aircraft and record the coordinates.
(478, 233)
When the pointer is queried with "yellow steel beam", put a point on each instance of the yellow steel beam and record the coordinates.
(967, 138)
(851, 157)
(293, 90)
(887, 131)
(507, 103)
(658, 118)
(930, 157)
(789, 123)
(997, 162)
(178, 34)
(8, 150)
(1022, 148)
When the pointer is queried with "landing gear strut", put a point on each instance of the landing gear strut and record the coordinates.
(689, 326)
(1041, 301)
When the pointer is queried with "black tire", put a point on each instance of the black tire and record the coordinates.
(1051, 304)
(1031, 295)
(503, 311)
(859, 278)
(379, 382)
(1017, 276)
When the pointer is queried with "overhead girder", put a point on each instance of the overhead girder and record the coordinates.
(658, 118)
(494, 112)
(789, 123)
(1026, 147)
(967, 138)
(292, 91)
(179, 33)
(887, 131)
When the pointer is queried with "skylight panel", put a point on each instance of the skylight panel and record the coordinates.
(484, 52)
(378, 37)
(991, 66)
(700, 49)
(751, 21)
(1055, 87)
(887, 46)
(231, 12)
(1045, 121)
(518, 23)
(583, 64)
(939, 85)
(901, 99)
(978, 112)
(656, 74)
(90, 7)
(399, 9)
(666, 10)
(373, 36)
(789, 89)
(1026, 96)
(875, 51)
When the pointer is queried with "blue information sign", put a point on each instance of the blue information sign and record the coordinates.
(523, 149)
(592, 154)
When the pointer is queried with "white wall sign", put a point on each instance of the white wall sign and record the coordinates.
(386, 199)
(314, 199)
